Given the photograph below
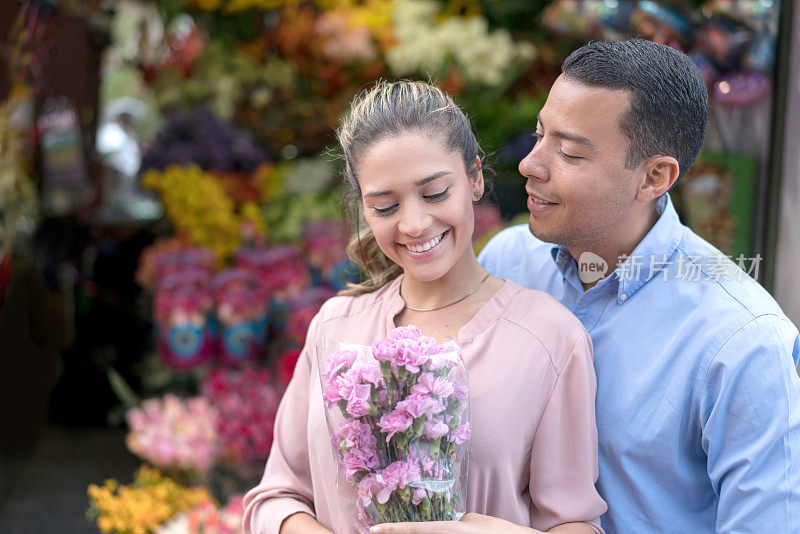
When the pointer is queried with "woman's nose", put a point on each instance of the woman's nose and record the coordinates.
(414, 220)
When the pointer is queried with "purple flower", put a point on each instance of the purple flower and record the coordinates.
(418, 495)
(417, 405)
(441, 387)
(394, 422)
(435, 428)
(358, 404)
(397, 475)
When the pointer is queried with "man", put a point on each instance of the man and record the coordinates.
(698, 402)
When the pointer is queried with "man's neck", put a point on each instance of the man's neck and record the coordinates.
(619, 245)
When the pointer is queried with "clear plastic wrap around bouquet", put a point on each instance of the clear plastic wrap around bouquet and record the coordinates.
(397, 414)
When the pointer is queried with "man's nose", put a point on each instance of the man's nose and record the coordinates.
(414, 220)
(532, 165)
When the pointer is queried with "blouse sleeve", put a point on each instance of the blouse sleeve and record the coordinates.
(286, 486)
(564, 456)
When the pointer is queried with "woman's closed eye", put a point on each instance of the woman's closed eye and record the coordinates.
(388, 210)
(438, 197)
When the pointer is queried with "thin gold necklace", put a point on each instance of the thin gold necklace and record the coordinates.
(465, 297)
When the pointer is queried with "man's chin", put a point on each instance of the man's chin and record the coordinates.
(541, 234)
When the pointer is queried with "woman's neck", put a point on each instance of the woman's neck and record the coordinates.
(459, 281)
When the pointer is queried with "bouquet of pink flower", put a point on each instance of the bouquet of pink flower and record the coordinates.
(398, 421)
(174, 433)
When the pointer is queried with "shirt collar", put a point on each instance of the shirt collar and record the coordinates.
(647, 259)
(652, 255)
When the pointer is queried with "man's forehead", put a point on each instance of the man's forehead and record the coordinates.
(584, 109)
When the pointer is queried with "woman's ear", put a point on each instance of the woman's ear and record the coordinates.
(661, 172)
(476, 180)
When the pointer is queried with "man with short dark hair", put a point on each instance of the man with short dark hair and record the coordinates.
(698, 401)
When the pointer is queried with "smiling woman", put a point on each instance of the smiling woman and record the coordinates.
(414, 169)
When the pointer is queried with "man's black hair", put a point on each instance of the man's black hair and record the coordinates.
(669, 102)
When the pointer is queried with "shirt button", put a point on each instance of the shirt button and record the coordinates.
(623, 297)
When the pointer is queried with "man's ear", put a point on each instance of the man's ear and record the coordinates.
(661, 172)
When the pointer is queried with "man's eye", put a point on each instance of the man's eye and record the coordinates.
(568, 157)
(537, 137)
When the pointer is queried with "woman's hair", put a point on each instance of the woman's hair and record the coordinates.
(387, 110)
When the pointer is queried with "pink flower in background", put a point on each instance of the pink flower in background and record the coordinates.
(435, 428)
(397, 475)
(394, 422)
(247, 402)
(439, 386)
(173, 433)
(417, 405)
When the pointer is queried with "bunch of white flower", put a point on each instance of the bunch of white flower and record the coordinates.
(425, 46)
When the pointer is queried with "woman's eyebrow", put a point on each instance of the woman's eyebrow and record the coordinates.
(418, 183)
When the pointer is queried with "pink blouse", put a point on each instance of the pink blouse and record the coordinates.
(533, 449)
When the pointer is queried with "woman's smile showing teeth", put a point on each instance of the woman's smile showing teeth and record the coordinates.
(424, 246)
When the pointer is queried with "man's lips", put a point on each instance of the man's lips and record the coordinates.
(538, 199)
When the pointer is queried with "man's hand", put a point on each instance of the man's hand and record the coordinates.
(469, 524)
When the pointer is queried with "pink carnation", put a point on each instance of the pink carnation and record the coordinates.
(441, 387)
(338, 361)
(354, 433)
(405, 332)
(385, 350)
(358, 404)
(461, 434)
(418, 495)
(394, 422)
(357, 460)
(367, 488)
(435, 428)
(397, 475)
(417, 405)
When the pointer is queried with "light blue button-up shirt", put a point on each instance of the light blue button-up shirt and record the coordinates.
(698, 399)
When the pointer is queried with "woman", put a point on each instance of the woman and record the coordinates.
(412, 162)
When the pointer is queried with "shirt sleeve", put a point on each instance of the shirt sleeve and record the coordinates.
(286, 486)
(564, 456)
(751, 428)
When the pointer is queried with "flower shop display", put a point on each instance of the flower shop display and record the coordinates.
(242, 305)
(247, 402)
(398, 422)
(175, 434)
(144, 505)
(208, 519)
(183, 306)
(302, 310)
